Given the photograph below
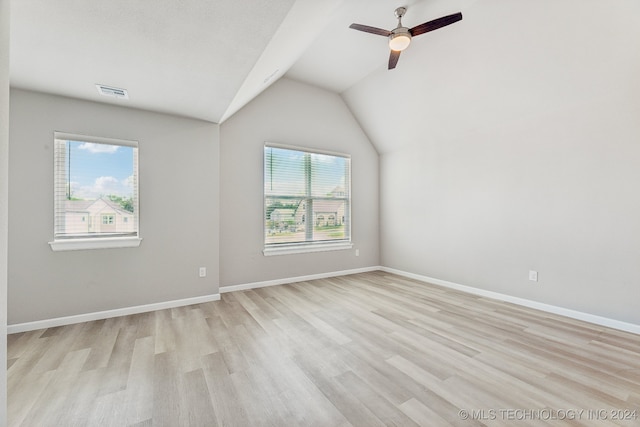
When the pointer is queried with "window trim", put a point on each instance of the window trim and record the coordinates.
(79, 244)
(308, 246)
(99, 242)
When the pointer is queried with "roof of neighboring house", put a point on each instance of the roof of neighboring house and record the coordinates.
(319, 206)
(84, 205)
(283, 212)
(115, 206)
(327, 205)
(77, 205)
(286, 211)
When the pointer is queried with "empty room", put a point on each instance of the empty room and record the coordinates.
(320, 213)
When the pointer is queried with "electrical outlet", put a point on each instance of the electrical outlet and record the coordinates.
(357, 252)
(202, 271)
(533, 276)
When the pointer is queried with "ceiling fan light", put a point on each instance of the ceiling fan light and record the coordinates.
(399, 41)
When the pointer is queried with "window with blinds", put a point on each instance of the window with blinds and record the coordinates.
(307, 198)
(95, 187)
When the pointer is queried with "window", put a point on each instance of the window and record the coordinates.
(307, 200)
(95, 192)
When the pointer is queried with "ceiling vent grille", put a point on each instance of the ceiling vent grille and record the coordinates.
(114, 92)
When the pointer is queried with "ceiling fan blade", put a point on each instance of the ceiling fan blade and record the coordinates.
(372, 30)
(393, 59)
(435, 24)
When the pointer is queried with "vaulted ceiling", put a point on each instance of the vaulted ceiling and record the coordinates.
(506, 60)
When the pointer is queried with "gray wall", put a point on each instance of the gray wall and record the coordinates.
(4, 196)
(293, 113)
(556, 192)
(179, 193)
(520, 154)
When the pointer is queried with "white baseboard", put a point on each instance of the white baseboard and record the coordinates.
(254, 285)
(87, 317)
(579, 315)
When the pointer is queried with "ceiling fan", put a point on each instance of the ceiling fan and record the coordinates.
(400, 37)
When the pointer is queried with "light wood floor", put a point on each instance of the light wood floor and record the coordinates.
(365, 350)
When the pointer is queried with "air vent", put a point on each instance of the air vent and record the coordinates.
(114, 92)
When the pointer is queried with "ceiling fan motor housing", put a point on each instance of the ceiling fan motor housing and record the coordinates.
(399, 39)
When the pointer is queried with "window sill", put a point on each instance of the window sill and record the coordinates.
(101, 243)
(306, 248)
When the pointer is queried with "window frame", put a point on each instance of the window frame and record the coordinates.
(84, 242)
(306, 246)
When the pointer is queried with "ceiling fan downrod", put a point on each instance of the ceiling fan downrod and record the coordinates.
(399, 12)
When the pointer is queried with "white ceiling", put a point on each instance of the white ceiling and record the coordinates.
(195, 58)
(199, 58)
(504, 61)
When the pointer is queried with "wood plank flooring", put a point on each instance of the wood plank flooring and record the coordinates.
(370, 349)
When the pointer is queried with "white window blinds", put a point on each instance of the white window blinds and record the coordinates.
(306, 196)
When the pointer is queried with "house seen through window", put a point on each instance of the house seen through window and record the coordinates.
(306, 197)
(96, 187)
